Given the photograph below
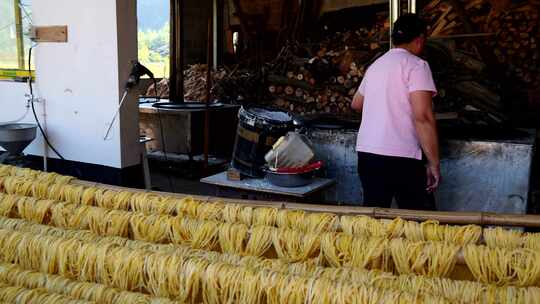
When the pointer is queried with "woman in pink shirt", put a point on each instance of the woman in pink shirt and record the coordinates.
(398, 133)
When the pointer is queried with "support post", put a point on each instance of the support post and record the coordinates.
(215, 33)
(19, 34)
(208, 89)
(411, 6)
(394, 14)
(176, 76)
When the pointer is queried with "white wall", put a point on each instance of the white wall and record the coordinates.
(13, 107)
(81, 81)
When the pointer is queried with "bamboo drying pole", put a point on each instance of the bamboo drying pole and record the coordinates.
(443, 217)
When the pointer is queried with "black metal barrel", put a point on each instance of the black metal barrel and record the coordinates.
(258, 129)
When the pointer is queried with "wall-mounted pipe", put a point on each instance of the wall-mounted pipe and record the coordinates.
(394, 14)
(215, 34)
(411, 6)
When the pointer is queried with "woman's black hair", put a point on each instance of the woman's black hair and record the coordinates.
(407, 28)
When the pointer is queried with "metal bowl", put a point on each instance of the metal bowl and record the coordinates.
(289, 180)
(15, 137)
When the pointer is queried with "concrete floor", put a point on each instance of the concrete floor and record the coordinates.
(164, 181)
(182, 177)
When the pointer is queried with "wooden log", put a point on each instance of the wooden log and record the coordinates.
(280, 102)
(473, 3)
(280, 80)
(473, 88)
(289, 90)
(469, 62)
(441, 23)
(323, 99)
(431, 5)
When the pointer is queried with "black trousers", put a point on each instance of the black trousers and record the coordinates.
(386, 177)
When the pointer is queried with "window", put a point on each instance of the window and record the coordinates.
(15, 22)
(153, 35)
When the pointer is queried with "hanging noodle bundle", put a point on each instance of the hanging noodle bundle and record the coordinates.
(64, 242)
(456, 291)
(14, 275)
(158, 273)
(317, 222)
(400, 255)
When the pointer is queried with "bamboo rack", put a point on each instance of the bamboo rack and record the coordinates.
(444, 217)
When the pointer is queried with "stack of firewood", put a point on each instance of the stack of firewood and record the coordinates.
(324, 78)
(444, 17)
(516, 42)
(239, 85)
(194, 83)
(495, 52)
(162, 89)
(514, 29)
(315, 88)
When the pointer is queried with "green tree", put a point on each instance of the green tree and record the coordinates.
(154, 50)
(8, 42)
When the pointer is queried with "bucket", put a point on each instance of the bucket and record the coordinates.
(258, 129)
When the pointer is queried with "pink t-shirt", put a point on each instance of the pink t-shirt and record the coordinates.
(387, 126)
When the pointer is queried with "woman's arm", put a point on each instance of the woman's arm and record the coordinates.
(358, 102)
(424, 121)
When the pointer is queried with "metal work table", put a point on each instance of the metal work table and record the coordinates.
(481, 172)
(145, 106)
(183, 129)
(260, 188)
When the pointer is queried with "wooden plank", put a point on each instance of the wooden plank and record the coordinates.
(56, 33)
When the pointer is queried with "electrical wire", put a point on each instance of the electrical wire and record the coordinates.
(33, 107)
(76, 170)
